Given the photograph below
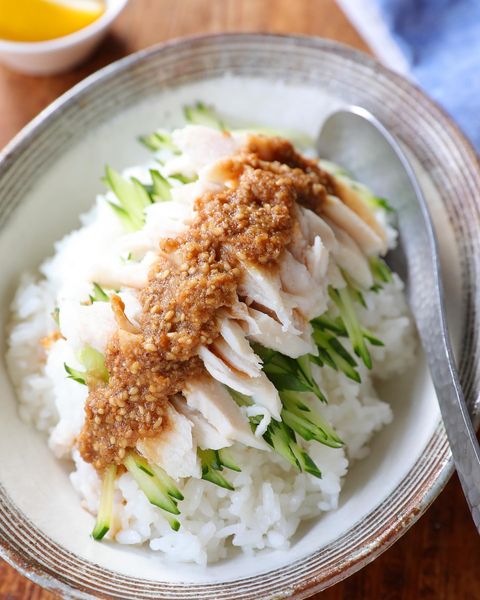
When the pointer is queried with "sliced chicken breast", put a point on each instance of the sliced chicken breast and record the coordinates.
(218, 408)
(174, 448)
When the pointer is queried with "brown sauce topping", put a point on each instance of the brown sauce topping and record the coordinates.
(195, 276)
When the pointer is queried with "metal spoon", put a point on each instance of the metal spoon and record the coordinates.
(356, 140)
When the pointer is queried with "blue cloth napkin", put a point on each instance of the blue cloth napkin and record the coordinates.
(440, 42)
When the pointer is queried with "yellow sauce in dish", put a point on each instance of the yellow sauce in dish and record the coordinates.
(40, 20)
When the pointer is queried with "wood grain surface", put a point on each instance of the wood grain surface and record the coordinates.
(438, 559)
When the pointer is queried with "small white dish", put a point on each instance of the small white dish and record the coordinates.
(59, 54)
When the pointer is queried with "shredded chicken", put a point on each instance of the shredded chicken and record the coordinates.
(250, 265)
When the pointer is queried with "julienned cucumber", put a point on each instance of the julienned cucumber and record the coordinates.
(150, 485)
(213, 461)
(105, 511)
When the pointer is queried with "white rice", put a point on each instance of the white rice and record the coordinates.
(271, 498)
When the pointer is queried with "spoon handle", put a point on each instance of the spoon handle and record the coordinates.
(456, 418)
(428, 307)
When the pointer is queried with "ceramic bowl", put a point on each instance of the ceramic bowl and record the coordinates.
(60, 54)
(50, 173)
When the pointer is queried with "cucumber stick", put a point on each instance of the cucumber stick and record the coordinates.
(105, 511)
(150, 484)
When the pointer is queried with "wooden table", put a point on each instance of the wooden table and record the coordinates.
(438, 559)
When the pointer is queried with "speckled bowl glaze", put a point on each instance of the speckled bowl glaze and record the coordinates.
(50, 172)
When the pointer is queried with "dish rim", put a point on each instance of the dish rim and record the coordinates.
(49, 114)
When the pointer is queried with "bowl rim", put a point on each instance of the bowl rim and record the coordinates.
(311, 585)
(112, 10)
